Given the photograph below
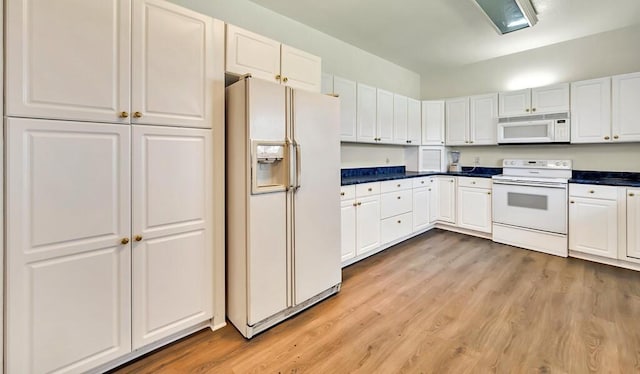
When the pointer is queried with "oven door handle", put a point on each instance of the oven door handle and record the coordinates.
(532, 184)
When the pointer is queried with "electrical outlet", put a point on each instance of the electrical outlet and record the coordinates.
(476, 160)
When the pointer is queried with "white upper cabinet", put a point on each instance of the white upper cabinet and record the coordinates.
(172, 65)
(366, 113)
(384, 116)
(483, 119)
(399, 119)
(264, 58)
(433, 123)
(414, 122)
(347, 93)
(546, 99)
(457, 120)
(68, 61)
(626, 107)
(104, 61)
(591, 111)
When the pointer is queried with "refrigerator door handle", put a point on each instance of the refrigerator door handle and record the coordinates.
(298, 166)
(289, 151)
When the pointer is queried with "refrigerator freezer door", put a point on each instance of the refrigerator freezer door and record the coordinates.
(316, 129)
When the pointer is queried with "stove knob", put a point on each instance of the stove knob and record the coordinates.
(558, 163)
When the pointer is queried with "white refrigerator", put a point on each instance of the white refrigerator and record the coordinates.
(283, 204)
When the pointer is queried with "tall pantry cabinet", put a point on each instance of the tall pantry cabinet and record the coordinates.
(110, 179)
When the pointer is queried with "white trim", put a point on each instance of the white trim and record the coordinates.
(605, 260)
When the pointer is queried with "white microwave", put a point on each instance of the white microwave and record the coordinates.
(541, 128)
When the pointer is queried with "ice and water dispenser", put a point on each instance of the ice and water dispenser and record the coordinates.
(269, 169)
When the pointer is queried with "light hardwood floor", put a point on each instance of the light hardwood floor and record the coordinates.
(441, 303)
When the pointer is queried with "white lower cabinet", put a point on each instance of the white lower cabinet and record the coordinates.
(446, 209)
(633, 223)
(421, 200)
(474, 205)
(367, 224)
(348, 236)
(593, 226)
(396, 227)
(75, 277)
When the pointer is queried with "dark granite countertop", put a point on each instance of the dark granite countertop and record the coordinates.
(366, 175)
(608, 178)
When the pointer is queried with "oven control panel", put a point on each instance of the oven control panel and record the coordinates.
(537, 164)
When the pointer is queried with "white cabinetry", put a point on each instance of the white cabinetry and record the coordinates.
(264, 58)
(422, 200)
(396, 204)
(457, 121)
(633, 223)
(446, 208)
(625, 108)
(346, 91)
(406, 120)
(366, 113)
(483, 119)
(154, 59)
(591, 111)
(348, 231)
(384, 116)
(593, 220)
(360, 209)
(474, 204)
(414, 122)
(367, 224)
(546, 99)
(433, 123)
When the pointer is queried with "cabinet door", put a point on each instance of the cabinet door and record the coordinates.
(457, 114)
(514, 103)
(346, 91)
(327, 84)
(248, 52)
(625, 107)
(446, 199)
(432, 122)
(367, 224)
(421, 199)
(474, 209)
(593, 226)
(172, 75)
(591, 111)
(348, 235)
(172, 231)
(483, 119)
(68, 60)
(366, 113)
(300, 69)
(550, 99)
(434, 200)
(633, 223)
(414, 122)
(68, 274)
(400, 119)
(384, 116)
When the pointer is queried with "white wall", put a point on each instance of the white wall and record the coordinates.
(369, 155)
(338, 57)
(599, 55)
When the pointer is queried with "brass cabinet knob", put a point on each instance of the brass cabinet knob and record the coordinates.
(422, 182)
(398, 185)
(615, 136)
(572, 202)
(606, 138)
(398, 197)
(278, 77)
(451, 181)
(527, 110)
(409, 141)
(533, 110)
(124, 114)
(354, 204)
(138, 238)
(399, 221)
(473, 182)
(124, 241)
(341, 193)
(285, 79)
(137, 115)
(471, 141)
(370, 189)
(631, 194)
(489, 193)
(592, 191)
(359, 203)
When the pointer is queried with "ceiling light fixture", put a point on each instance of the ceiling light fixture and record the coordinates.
(508, 15)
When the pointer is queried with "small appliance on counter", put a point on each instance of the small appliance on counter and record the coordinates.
(454, 162)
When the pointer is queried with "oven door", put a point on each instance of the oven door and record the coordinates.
(526, 132)
(538, 207)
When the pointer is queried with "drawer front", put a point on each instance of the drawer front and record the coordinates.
(396, 227)
(423, 182)
(396, 185)
(394, 203)
(474, 182)
(594, 191)
(347, 192)
(367, 189)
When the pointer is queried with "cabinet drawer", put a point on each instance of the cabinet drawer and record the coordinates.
(594, 191)
(396, 185)
(348, 192)
(423, 182)
(474, 182)
(394, 228)
(394, 203)
(367, 189)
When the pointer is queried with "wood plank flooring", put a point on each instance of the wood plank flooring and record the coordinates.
(440, 303)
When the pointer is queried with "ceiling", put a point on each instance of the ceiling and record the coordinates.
(426, 35)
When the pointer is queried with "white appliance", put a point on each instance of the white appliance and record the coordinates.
(283, 202)
(530, 205)
(541, 128)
